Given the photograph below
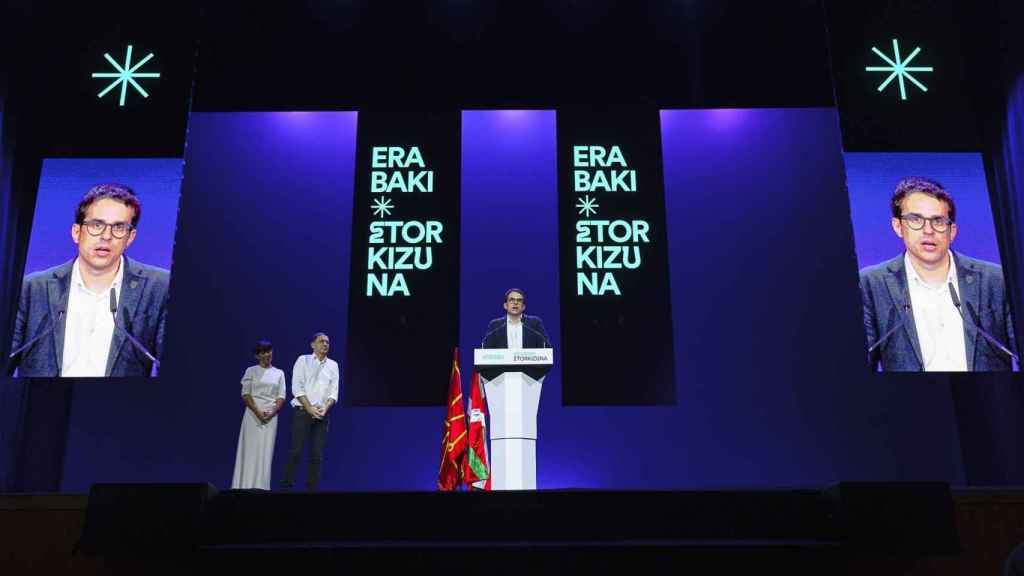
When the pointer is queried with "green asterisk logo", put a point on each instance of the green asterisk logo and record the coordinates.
(899, 69)
(587, 206)
(382, 207)
(125, 75)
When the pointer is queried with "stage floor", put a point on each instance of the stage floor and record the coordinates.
(869, 528)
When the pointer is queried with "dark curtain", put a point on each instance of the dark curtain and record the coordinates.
(33, 414)
(1004, 138)
(990, 408)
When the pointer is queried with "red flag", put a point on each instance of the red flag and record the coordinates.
(478, 472)
(453, 445)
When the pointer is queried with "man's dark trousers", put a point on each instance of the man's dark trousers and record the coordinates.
(305, 426)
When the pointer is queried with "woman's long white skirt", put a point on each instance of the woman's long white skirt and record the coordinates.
(255, 452)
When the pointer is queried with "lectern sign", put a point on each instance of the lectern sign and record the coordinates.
(616, 322)
(506, 357)
(404, 283)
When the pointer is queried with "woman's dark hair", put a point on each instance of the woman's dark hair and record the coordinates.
(263, 346)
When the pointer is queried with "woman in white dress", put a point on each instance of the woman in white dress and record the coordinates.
(263, 391)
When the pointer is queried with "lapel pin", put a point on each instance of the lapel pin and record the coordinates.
(970, 278)
(135, 283)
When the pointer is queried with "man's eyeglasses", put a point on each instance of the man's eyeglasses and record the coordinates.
(516, 300)
(97, 227)
(916, 222)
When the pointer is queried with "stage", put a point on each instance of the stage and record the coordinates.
(877, 528)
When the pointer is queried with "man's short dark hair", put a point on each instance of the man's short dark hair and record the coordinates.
(319, 334)
(263, 346)
(511, 290)
(118, 192)
(924, 186)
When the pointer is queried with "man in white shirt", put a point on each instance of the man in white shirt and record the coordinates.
(911, 297)
(64, 325)
(315, 385)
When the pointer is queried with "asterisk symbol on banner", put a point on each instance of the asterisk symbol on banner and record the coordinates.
(899, 69)
(587, 206)
(382, 207)
(125, 75)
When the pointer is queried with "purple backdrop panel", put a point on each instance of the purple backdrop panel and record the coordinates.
(871, 178)
(63, 182)
(510, 240)
(769, 341)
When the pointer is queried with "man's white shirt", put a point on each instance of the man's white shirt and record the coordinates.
(940, 328)
(89, 326)
(514, 332)
(317, 380)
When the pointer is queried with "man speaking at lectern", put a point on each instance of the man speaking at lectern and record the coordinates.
(513, 393)
(516, 330)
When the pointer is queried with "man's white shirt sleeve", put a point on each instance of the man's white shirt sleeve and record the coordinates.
(298, 380)
(335, 383)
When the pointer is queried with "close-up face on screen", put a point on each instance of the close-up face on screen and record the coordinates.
(931, 281)
(94, 295)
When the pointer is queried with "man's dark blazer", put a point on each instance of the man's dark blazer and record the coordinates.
(886, 301)
(142, 310)
(534, 334)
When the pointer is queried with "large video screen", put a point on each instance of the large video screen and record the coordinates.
(94, 299)
(932, 288)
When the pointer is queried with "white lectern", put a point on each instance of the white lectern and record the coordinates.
(512, 401)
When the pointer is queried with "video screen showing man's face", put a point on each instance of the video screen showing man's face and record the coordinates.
(932, 288)
(93, 302)
(925, 224)
(105, 228)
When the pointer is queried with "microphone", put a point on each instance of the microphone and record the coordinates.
(977, 324)
(547, 343)
(895, 327)
(537, 372)
(486, 336)
(132, 339)
(49, 328)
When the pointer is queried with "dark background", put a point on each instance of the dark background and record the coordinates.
(56, 46)
(941, 119)
(768, 390)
